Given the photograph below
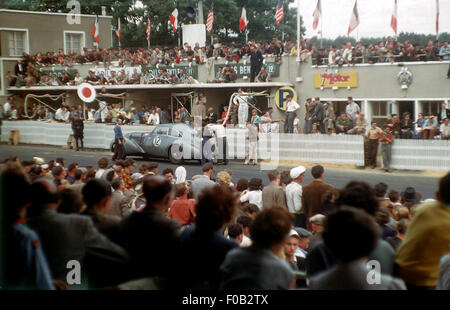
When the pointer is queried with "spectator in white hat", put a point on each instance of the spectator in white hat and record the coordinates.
(294, 193)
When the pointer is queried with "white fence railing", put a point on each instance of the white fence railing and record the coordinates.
(314, 148)
(421, 154)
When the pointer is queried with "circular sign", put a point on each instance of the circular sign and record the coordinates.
(157, 141)
(404, 77)
(86, 92)
(280, 96)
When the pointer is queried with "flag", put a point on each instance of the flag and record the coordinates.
(279, 12)
(148, 29)
(95, 30)
(354, 19)
(118, 34)
(437, 16)
(174, 20)
(243, 19)
(210, 19)
(316, 15)
(394, 17)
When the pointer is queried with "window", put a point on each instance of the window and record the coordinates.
(379, 109)
(175, 133)
(74, 42)
(162, 131)
(16, 41)
(431, 107)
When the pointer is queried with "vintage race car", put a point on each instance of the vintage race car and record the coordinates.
(177, 142)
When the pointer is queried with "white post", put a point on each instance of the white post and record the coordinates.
(367, 109)
(417, 109)
(298, 30)
(395, 108)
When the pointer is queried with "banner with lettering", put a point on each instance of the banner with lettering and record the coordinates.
(244, 70)
(59, 72)
(192, 71)
(340, 80)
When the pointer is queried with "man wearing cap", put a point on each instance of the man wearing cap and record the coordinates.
(294, 192)
(317, 224)
(430, 127)
(290, 248)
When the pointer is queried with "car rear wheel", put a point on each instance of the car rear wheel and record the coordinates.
(175, 155)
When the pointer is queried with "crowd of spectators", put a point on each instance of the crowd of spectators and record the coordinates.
(139, 221)
(27, 71)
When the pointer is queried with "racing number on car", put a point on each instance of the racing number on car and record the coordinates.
(157, 141)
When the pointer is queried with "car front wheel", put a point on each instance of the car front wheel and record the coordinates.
(175, 155)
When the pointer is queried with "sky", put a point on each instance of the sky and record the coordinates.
(417, 16)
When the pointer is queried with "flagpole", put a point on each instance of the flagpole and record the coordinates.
(246, 35)
(118, 25)
(282, 25)
(321, 32)
(298, 31)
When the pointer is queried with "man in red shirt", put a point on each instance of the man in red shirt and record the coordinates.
(182, 208)
(386, 140)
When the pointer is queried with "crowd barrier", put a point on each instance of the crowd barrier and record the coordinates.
(421, 154)
(313, 148)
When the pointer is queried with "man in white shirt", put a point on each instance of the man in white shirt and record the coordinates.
(445, 129)
(352, 109)
(291, 112)
(294, 193)
(348, 54)
(7, 107)
(221, 142)
(90, 114)
(241, 102)
(62, 114)
(153, 118)
(332, 56)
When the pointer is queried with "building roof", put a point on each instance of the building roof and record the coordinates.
(51, 13)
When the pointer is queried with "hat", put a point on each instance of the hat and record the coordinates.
(409, 194)
(297, 171)
(44, 166)
(317, 219)
(136, 176)
(293, 233)
(303, 233)
(38, 160)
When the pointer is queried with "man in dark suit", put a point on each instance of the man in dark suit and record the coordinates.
(256, 60)
(150, 237)
(443, 113)
(319, 114)
(313, 193)
(72, 237)
(97, 196)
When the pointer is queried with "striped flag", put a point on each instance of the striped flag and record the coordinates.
(394, 18)
(354, 19)
(437, 17)
(174, 20)
(243, 19)
(148, 29)
(316, 15)
(279, 12)
(210, 19)
(95, 30)
(118, 34)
